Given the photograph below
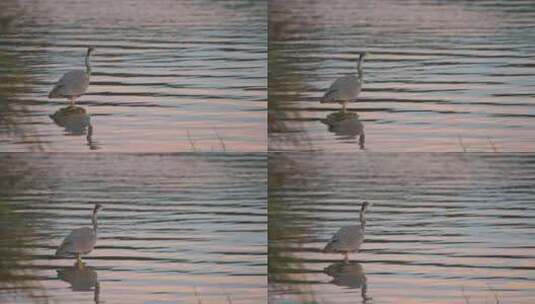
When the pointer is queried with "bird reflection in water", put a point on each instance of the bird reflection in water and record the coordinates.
(349, 275)
(346, 125)
(76, 121)
(81, 278)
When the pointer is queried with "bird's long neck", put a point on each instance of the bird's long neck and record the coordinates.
(363, 218)
(359, 67)
(88, 63)
(94, 221)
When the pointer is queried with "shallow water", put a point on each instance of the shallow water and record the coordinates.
(441, 75)
(441, 228)
(174, 228)
(166, 75)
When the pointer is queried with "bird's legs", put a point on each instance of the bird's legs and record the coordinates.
(344, 106)
(79, 263)
(71, 102)
(361, 141)
(346, 258)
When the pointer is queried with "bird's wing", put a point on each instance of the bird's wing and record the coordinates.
(79, 240)
(65, 247)
(348, 232)
(347, 238)
(330, 95)
(72, 83)
(341, 89)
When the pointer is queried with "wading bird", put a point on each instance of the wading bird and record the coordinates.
(80, 241)
(348, 238)
(345, 89)
(73, 84)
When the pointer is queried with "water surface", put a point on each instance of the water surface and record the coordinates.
(167, 76)
(441, 228)
(174, 228)
(441, 75)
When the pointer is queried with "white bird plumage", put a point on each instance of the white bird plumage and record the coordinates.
(73, 84)
(348, 238)
(80, 241)
(345, 89)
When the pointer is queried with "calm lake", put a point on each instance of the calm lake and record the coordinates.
(167, 76)
(440, 76)
(448, 228)
(187, 228)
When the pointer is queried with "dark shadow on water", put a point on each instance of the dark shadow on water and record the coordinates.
(76, 121)
(16, 79)
(18, 234)
(81, 279)
(284, 265)
(346, 125)
(350, 275)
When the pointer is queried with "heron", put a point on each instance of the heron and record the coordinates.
(348, 238)
(80, 241)
(346, 88)
(74, 83)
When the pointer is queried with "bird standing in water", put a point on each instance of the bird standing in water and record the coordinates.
(80, 241)
(345, 89)
(73, 84)
(348, 238)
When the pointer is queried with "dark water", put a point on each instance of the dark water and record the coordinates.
(441, 75)
(441, 228)
(174, 228)
(166, 75)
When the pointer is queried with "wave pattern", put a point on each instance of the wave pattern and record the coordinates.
(441, 227)
(167, 76)
(442, 75)
(174, 228)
